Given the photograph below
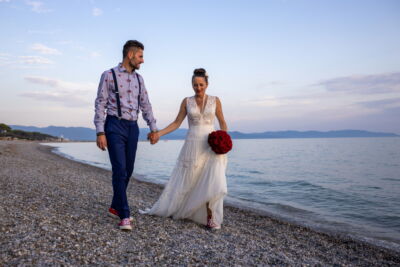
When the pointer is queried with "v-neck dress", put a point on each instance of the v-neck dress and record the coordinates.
(199, 176)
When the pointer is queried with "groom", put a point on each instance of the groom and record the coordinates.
(120, 95)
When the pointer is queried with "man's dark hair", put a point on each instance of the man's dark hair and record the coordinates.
(129, 44)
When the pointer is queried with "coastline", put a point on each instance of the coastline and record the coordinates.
(63, 220)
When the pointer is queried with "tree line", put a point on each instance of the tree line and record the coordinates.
(6, 131)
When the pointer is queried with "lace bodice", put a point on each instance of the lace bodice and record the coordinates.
(198, 179)
(195, 116)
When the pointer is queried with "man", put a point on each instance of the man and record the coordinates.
(120, 95)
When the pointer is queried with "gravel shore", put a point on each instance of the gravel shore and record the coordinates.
(53, 211)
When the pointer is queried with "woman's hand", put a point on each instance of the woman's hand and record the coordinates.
(153, 137)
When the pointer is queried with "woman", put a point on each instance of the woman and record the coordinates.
(198, 183)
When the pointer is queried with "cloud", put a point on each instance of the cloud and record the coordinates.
(43, 32)
(23, 61)
(5, 1)
(60, 84)
(342, 99)
(45, 49)
(95, 54)
(70, 94)
(382, 103)
(97, 11)
(364, 84)
(5, 59)
(72, 44)
(34, 60)
(271, 101)
(38, 7)
(385, 121)
(63, 97)
(44, 81)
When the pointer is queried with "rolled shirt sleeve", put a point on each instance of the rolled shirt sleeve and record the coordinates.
(101, 103)
(145, 106)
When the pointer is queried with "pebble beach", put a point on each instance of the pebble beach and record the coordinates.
(53, 211)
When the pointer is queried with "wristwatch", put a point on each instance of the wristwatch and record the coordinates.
(100, 133)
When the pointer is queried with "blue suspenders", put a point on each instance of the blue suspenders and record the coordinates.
(117, 93)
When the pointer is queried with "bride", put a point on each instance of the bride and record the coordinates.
(197, 184)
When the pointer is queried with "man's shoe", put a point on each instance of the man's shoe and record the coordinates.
(125, 225)
(114, 213)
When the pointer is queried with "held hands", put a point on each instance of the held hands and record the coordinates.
(153, 137)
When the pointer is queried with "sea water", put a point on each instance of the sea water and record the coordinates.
(348, 186)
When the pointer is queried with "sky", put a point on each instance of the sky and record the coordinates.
(274, 64)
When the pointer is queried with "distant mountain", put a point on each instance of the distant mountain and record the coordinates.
(310, 134)
(88, 134)
(71, 133)
(6, 133)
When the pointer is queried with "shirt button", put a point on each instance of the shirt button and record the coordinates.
(129, 91)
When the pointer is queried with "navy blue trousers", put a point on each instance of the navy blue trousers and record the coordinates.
(122, 139)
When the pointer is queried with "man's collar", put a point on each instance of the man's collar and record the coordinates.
(122, 68)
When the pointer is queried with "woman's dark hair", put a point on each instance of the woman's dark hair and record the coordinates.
(200, 73)
(129, 44)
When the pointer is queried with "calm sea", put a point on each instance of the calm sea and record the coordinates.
(342, 185)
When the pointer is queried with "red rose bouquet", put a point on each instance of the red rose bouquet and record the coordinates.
(220, 142)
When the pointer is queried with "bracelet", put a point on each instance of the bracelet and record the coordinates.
(100, 133)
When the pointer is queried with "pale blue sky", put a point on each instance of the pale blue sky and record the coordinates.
(276, 65)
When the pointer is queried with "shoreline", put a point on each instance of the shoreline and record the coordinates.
(318, 224)
(63, 221)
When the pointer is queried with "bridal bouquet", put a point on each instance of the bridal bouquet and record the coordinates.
(220, 142)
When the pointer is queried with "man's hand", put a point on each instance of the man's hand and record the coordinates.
(101, 142)
(153, 137)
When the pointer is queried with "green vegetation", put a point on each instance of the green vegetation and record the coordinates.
(6, 131)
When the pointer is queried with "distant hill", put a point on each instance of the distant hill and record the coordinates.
(71, 133)
(310, 134)
(6, 133)
(88, 134)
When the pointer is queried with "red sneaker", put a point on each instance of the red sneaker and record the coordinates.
(125, 224)
(114, 213)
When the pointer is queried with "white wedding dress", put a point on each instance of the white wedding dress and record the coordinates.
(198, 177)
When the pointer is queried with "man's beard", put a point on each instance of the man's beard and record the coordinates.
(134, 67)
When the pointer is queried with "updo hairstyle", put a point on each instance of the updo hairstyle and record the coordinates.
(200, 73)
